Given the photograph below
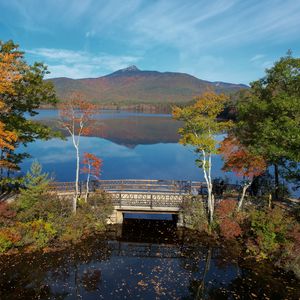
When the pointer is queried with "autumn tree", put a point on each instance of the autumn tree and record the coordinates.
(76, 117)
(22, 91)
(242, 162)
(9, 76)
(269, 115)
(92, 167)
(199, 130)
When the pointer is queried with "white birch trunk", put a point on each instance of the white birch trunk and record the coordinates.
(207, 177)
(87, 184)
(240, 204)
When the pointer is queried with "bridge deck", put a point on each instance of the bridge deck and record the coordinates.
(141, 195)
(134, 185)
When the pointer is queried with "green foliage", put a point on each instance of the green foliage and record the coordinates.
(90, 217)
(49, 207)
(269, 115)
(5, 243)
(36, 183)
(195, 215)
(37, 233)
(9, 237)
(268, 232)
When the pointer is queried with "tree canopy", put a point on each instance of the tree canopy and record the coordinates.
(269, 116)
(22, 91)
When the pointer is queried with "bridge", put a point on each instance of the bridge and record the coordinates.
(142, 196)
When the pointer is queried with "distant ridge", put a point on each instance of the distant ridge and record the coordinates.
(132, 86)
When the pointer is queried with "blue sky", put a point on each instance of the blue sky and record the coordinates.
(221, 40)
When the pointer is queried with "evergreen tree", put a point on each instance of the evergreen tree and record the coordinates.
(36, 183)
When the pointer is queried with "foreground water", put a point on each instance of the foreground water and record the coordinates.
(143, 259)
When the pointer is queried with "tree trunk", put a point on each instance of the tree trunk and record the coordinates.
(210, 196)
(276, 176)
(87, 187)
(240, 204)
(76, 180)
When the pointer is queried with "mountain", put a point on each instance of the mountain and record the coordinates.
(132, 86)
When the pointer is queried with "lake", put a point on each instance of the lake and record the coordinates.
(134, 146)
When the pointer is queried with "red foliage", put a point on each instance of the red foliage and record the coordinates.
(228, 219)
(294, 235)
(230, 229)
(225, 208)
(239, 160)
(92, 165)
(6, 214)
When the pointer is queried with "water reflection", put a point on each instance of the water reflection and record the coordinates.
(103, 114)
(158, 161)
(142, 260)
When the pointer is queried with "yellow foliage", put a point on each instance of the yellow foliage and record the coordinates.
(9, 75)
(200, 121)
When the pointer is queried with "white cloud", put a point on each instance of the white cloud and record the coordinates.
(257, 57)
(81, 64)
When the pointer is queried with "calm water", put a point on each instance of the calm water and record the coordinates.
(160, 160)
(143, 260)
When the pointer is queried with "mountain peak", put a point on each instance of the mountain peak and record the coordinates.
(129, 71)
(132, 68)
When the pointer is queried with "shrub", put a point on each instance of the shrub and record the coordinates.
(6, 214)
(8, 237)
(291, 255)
(195, 215)
(49, 207)
(268, 230)
(90, 217)
(228, 219)
(37, 233)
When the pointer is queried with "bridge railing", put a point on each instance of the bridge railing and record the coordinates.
(151, 186)
(132, 185)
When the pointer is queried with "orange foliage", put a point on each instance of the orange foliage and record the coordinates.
(9, 75)
(239, 160)
(92, 165)
(76, 115)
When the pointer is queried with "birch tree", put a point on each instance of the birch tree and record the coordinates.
(76, 117)
(92, 167)
(243, 163)
(199, 130)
